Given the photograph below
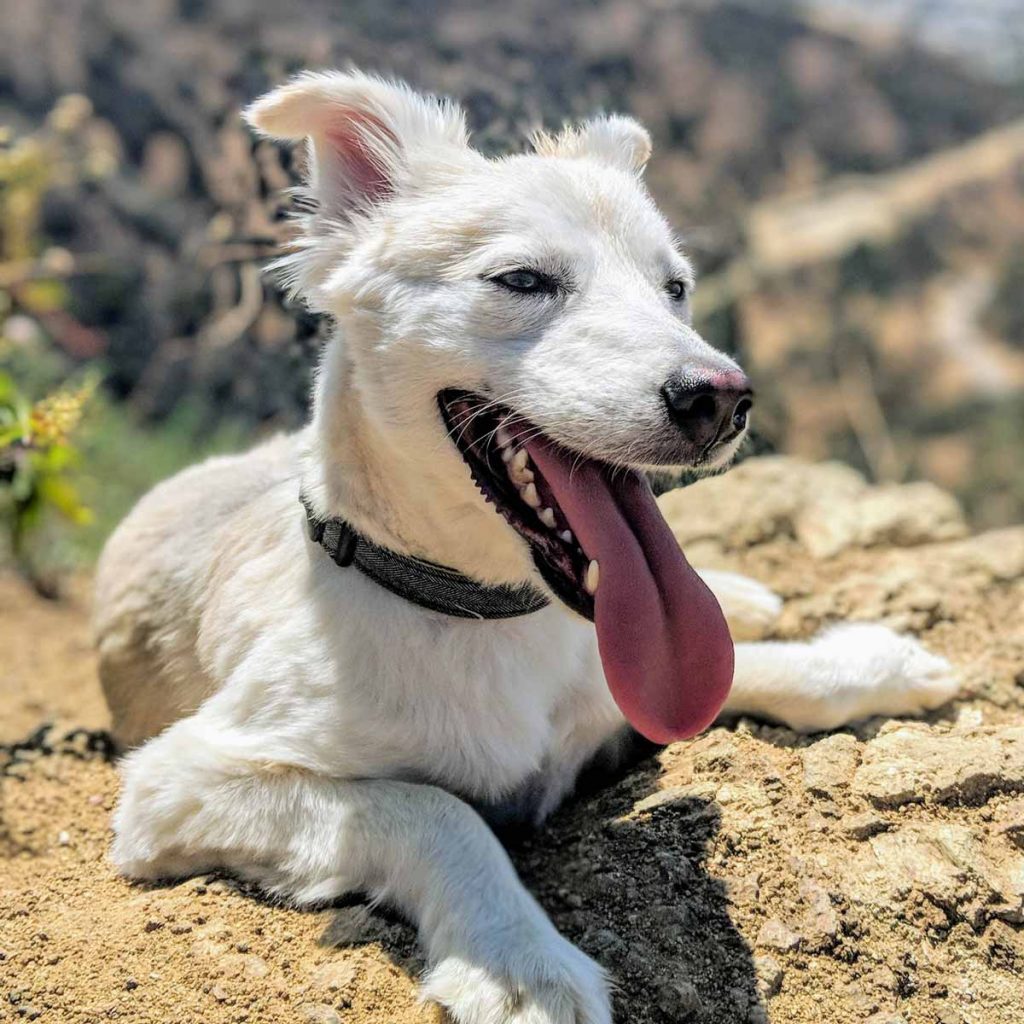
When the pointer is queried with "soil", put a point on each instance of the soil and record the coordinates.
(876, 874)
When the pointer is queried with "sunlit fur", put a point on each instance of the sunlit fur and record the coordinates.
(296, 724)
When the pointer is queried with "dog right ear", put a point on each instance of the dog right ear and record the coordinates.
(363, 133)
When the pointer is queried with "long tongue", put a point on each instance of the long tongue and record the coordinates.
(664, 643)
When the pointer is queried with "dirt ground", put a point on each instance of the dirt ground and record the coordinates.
(751, 875)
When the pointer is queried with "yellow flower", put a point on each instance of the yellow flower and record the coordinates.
(55, 417)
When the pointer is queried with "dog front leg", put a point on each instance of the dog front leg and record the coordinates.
(493, 954)
(750, 607)
(844, 674)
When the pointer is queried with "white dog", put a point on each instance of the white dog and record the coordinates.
(320, 694)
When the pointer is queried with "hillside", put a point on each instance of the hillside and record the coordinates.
(751, 875)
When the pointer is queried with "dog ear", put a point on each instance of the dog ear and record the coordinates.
(617, 140)
(362, 132)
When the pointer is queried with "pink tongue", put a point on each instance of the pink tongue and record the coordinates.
(664, 642)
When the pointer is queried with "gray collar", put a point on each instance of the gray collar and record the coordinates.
(424, 583)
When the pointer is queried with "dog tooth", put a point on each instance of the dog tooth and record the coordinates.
(520, 459)
(566, 535)
(506, 454)
(547, 517)
(503, 436)
(520, 477)
(593, 578)
(530, 496)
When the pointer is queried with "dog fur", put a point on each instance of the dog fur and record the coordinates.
(301, 727)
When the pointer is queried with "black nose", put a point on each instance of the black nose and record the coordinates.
(709, 408)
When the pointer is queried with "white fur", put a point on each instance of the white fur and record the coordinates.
(300, 726)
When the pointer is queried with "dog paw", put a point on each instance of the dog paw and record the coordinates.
(750, 607)
(553, 983)
(860, 670)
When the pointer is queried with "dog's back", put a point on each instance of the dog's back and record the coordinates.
(154, 576)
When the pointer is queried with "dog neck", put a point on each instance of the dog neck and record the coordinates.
(409, 492)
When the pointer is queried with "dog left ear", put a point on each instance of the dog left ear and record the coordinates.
(616, 140)
(363, 132)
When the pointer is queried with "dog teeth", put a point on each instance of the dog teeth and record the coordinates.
(506, 454)
(592, 578)
(566, 535)
(530, 496)
(517, 468)
(503, 436)
(547, 517)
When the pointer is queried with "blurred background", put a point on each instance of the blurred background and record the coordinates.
(848, 174)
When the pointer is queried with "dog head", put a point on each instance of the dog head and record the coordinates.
(516, 337)
(547, 283)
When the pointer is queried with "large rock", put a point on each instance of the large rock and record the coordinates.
(827, 507)
(898, 515)
(914, 764)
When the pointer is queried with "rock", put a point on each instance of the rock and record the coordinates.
(743, 890)
(758, 501)
(830, 763)
(775, 935)
(997, 555)
(333, 976)
(246, 965)
(697, 794)
(678, 999)
(910, 765)
(319, 1013)
(769, 976)
(819, 927)
(956, 868)
(1004, 947)
(898, 515)
(864, 825)
(715, 752)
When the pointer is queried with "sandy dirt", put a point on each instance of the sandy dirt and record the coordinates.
(751, 875)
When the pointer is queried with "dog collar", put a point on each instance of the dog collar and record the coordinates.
(424, 583)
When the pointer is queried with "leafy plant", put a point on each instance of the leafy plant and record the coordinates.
(37, 458)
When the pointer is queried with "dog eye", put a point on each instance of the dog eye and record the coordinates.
(677, 289)
(529, 282)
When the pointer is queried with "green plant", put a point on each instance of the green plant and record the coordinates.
(37, 459)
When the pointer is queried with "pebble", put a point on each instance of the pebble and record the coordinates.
(678, 999)
(320, 1013)
(769, 975)
(775, 935)
(333, 976)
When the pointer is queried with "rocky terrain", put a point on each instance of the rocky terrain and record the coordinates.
(876, 874)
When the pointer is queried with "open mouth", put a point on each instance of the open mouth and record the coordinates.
(601, 545)
(492, 441)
